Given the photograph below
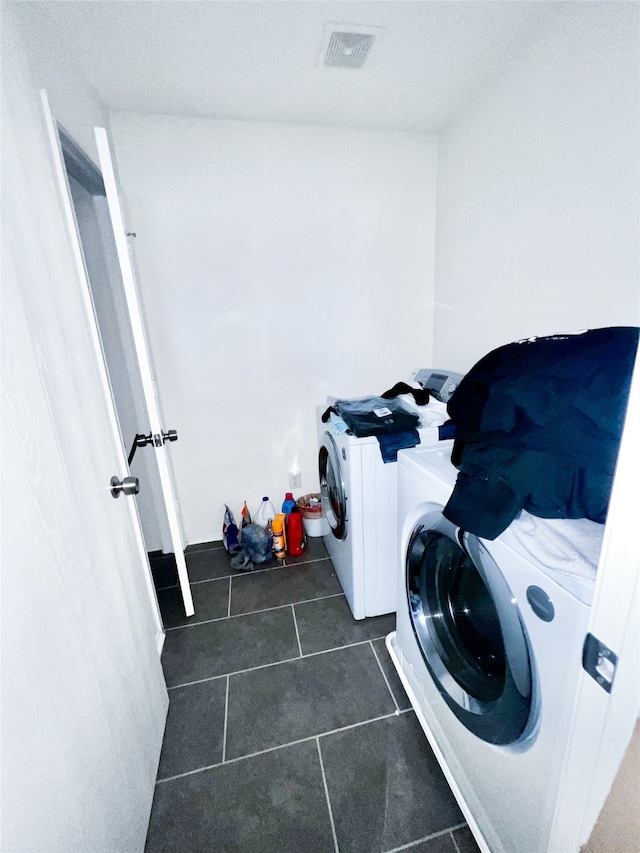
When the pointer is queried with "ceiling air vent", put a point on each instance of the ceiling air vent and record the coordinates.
(346, 46)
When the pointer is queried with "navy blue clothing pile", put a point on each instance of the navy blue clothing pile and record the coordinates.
(538, 426)
(373, 415)
(390, 421)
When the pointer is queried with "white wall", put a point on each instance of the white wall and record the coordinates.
(278, 264)
(73, 103)
(538, 182)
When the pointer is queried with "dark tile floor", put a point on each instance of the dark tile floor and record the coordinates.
(288, 728)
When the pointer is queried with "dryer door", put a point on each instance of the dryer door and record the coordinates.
(469, 630)
(332, 488)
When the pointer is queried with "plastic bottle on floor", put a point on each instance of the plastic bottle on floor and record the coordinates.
(288, 503)
(279, 539)
(296, 539)
(265, 513)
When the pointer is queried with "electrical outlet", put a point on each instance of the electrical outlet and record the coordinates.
(295, 480)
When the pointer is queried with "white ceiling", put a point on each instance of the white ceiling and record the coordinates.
(258, 60)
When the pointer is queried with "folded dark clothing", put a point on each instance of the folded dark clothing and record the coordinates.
(390, 443)
(375, 416)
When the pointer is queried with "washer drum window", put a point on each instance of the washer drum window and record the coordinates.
(332, 488)
(469, 630)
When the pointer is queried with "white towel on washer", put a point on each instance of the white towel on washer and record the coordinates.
(570, 546)
(432, 413)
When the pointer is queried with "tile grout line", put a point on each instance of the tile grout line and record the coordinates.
(199, 550)
(253, 612)
(295, 625)
(326, 793)
(410, 844)
(226, 720)
(238, 574)
(274, 748)
(272, 663)
(195, 583)
(453, 838)
(384, 675)
(229, 605)
(246, 574)
(196, 549)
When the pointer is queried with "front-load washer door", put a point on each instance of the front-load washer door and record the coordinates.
(332, 488)
(469, 630)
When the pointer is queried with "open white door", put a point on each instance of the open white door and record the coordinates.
(156, 428)
(608, 701)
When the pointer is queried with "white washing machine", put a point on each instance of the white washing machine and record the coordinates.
(359, 497)
(488, 644)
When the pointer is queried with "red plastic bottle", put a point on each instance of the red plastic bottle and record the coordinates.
(296, 540)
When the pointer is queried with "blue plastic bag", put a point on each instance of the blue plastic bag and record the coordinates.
(256, 546)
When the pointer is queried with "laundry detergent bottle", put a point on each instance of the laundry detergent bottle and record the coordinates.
(265, 513)
(288, 503)
(296, 539)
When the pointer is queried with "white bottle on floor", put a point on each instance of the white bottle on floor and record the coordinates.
(265, 513)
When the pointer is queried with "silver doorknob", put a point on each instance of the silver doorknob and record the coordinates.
(128, 486)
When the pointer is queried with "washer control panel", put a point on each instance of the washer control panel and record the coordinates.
(441, 383)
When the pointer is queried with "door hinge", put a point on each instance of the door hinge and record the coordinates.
(599, 661)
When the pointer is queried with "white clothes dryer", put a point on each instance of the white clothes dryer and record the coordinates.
(488, 645)
(359, 497)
